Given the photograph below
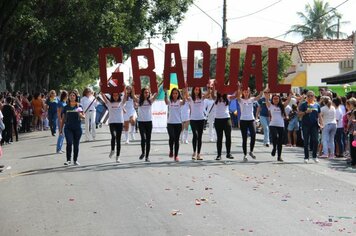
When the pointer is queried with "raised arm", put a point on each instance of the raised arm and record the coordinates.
(266, 93)
(104, 97)
(238, 92)
(166, 97)
(259, 96)
(135, 98)
(288, 98)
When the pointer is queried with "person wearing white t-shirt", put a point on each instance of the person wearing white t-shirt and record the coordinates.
(223, 122)
(145, 120)
(278, 114)
(328, 124)
(88, 102)
(340, 134)
(129, 116)
(196, 102)
(209, 110)
(174, 123)
(116, 119)
(185, 116)
(247, 119)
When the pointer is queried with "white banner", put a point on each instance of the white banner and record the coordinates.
(159, 117)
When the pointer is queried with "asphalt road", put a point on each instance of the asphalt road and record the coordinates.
(40, 196)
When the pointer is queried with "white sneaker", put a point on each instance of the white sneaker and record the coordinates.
(316, 160)
(245, 159)
(111, 154)
(306, 161)
(118, 159)
(67, 163)
(186, 142)
(132, 135)
(76, 163)
(127, 141)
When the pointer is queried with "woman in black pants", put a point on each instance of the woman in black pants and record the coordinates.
(247, 119)
(174, 123)
(71, 117)
(278, 115)
(196, 102)
(116, 119)
(145, 120)
(223, 122)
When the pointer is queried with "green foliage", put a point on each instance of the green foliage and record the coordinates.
(54, 43)
(319, 21)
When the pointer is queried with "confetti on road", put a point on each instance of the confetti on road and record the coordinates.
(197, 202)
(176, 212)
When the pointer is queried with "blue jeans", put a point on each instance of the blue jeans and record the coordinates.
(72, 137)
(265, 124)
(310, 132)
(60, 140)
(328, 136)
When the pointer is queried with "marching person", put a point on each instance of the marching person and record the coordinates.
(185, 116)
(129, 116)
(52, 104)
(309, 111)
(61, 104)
(145, 120)
(247, 119)
(222, 122)
(196, 102)
(209, 111)
(71, 117)
(278, 115)
(174, 123)
(116, 119)
(88, 102)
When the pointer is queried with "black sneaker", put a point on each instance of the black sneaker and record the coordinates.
(142, 156)
(218, 158)
(147, 159)
(280, 159)
(267, 145)
(229, 156)
(273, 153)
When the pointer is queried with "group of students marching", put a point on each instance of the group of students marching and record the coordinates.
(186, 109)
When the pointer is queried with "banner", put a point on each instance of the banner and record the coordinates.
(159, 117)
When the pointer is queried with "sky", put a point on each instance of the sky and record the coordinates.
(271, 22)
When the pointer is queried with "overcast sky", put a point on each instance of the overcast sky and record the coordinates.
(271, 22)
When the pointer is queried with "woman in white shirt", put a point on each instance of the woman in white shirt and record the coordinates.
(276, 126)
(196, 102)
(116, 119)
(129, 116)
(247, 119)
(185, 115)
(328, 124)
(223, 122)
(145, 120)
(174, 123)
(88, 102)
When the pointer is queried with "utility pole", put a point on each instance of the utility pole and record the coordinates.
(338, 28)
(224, 38)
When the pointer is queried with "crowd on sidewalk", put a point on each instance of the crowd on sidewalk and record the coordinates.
(325, 125)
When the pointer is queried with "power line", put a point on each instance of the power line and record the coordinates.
(252, 13)
(207, 15)
(284, 34)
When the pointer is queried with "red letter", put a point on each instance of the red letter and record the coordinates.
(119, 76)
(137, 72)
(255, 70)
(273, 85)
(234, 70)
(205, 48)
(177, 68)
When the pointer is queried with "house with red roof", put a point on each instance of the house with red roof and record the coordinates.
(319, 58)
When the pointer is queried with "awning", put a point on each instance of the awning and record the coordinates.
(345, 78)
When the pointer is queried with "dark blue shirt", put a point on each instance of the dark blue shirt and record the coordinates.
(71, 116)
(311, 118)
(264, 109)
(52, 105)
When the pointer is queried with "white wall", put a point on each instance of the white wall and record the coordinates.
(317, 71)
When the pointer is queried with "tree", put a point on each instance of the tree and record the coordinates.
(54, 43)
(319, 21)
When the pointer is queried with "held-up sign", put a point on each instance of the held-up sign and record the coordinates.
(252, 67)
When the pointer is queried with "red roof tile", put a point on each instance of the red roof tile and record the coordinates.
(325, 50)
(265, 42)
